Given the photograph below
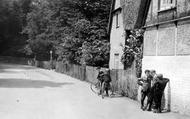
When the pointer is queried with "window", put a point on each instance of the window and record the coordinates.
(166, 4)
(116, 60)
(117, 20)
(116, 16)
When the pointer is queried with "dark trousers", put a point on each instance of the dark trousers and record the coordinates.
(100, 86)
(158, 100)
(106, 87)
(150, 99)
(143, 96)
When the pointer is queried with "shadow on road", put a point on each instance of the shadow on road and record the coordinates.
(10, 68)
(24, 83)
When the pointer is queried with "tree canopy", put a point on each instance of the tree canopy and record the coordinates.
(75, 30)
(13, 19)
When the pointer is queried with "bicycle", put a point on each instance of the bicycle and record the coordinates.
(97, 88)
(100, 89)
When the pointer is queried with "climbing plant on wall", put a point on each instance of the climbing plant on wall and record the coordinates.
(132, 50)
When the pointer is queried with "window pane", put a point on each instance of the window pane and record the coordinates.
(166, 4)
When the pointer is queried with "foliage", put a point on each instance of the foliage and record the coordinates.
(12, 20)
(132, 51)
(76, 30)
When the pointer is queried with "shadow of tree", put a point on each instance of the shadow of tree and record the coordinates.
(25, 83)
(10, 68)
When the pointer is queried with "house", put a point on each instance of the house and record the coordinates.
(117, 35)
(167, 49)
(166, 45)
(125, 15)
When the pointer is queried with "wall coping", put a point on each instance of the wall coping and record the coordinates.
(166, 22)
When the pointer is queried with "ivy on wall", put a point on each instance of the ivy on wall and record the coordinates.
(132, 50)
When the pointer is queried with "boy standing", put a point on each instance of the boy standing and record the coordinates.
(107, 81)
(145, 82)
(151, 94)
(100, 78)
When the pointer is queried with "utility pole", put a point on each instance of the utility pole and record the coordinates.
(51, 59)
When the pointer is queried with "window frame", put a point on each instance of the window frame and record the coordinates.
(115, 15)
(117, 20)
(166, 6)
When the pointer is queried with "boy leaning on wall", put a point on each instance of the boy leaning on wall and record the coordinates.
(159, 87)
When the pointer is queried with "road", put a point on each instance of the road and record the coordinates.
(31, 93)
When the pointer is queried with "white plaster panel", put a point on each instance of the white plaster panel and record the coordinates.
(117, 38)
(177, 69)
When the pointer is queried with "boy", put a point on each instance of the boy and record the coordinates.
(159, 87)
(100, 78)
(145, 82)
(107, 81)
(154, 77)
(151, 94)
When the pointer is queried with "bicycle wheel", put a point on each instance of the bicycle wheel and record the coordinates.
(95, 88)
(102, 90)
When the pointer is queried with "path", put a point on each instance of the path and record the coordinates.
(31, 93)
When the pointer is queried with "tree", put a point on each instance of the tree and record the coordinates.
(12, 13)
(75, 29)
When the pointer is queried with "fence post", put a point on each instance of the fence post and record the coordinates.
(84, 72)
